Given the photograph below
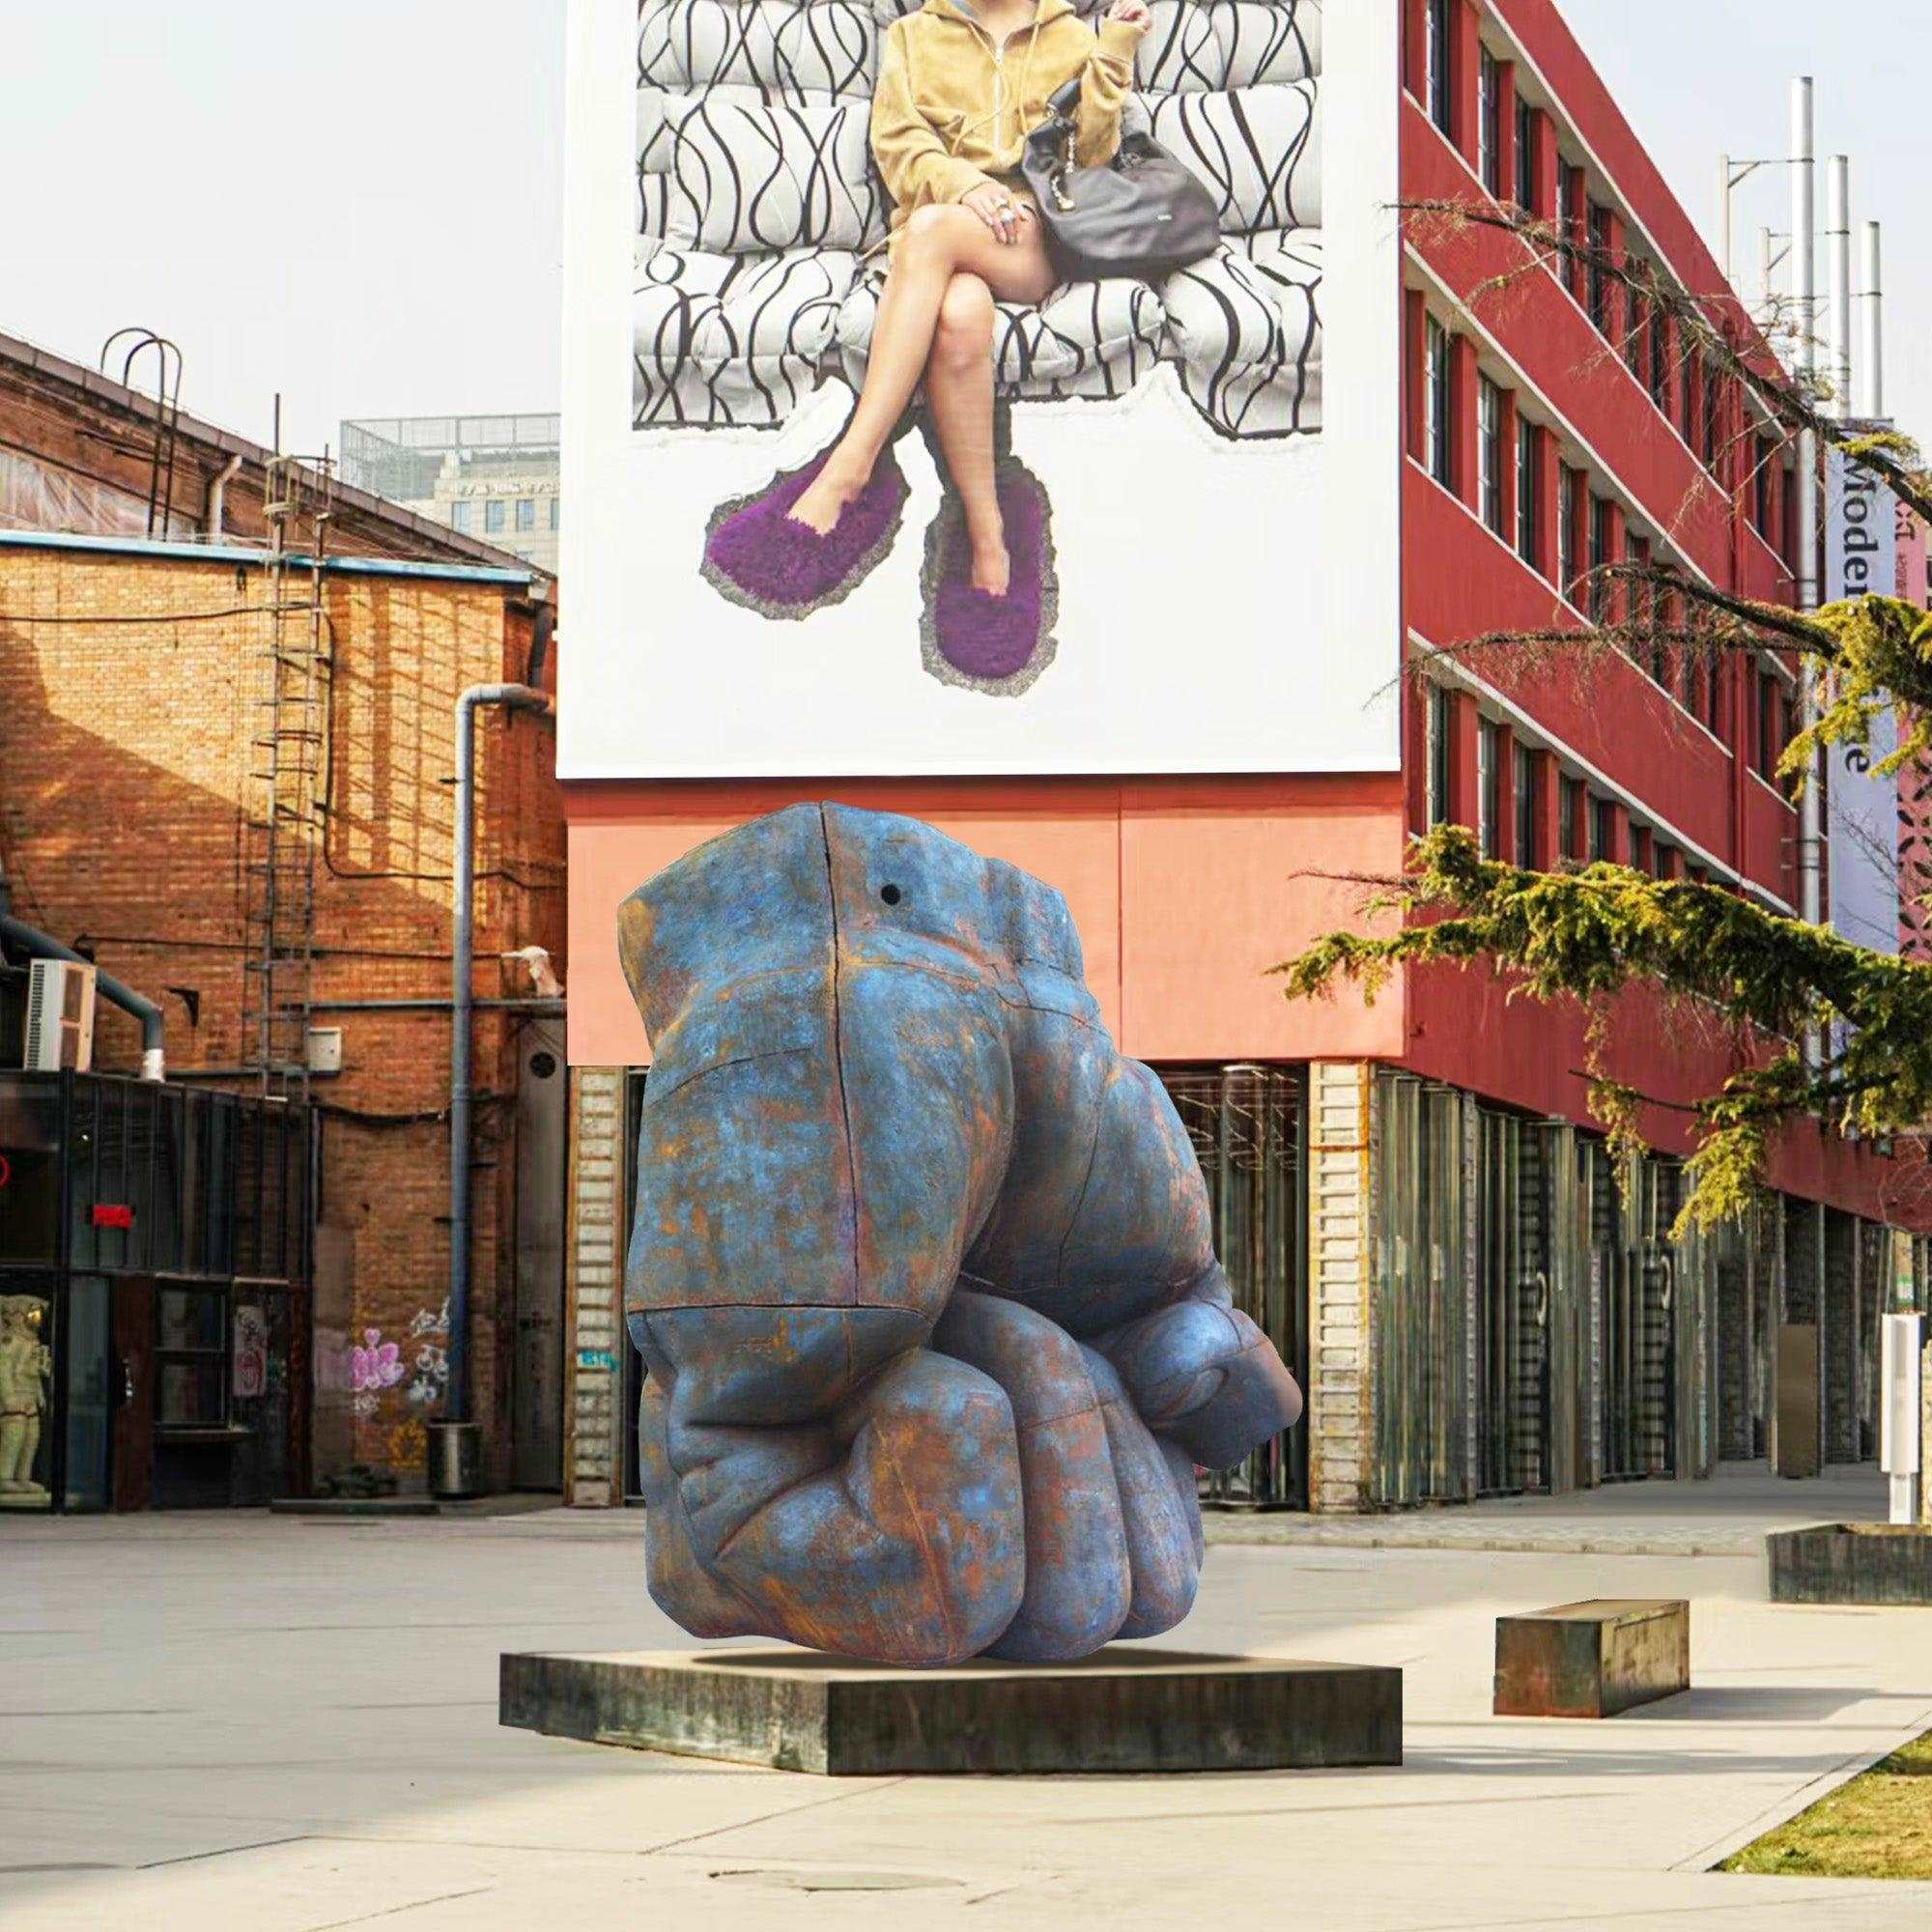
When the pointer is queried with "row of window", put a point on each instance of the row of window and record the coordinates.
(1700, 402)
(463, 514)
(1510, 805)
(1509, 828)
(1512, 475)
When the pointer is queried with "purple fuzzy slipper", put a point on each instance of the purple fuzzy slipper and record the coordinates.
(971, 639)
(756, 555)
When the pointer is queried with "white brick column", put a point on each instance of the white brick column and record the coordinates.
(593, 1447)
(1339, 1344)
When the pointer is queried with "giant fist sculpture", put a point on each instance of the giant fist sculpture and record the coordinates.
(920, 1270)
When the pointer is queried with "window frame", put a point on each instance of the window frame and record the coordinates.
(1438, 438)
(1527, 156)
(1529, 491)
(1438, 804)
(1489, 122)
(1570, 490)
(1438, 67)
(1522, 804)
(1489, 787)
(1492, 503)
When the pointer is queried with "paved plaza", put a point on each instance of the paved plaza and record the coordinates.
(247, 1721)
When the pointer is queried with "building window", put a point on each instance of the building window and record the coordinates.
(1490, 452)
(1713, 696)
(1637, 330)
(1529, 492)
(1686, 397)
(1440, 429)
(1570, 818)
(1708, 419)
(1642, 852)
(1664, 857)
(459, 515)
(1658, 333)
(1525, 156)
(526, 513)
(1489, 788)
(1764, 455)
(1440, 81)
(1524, 802)
(1570, 194)
(1440, 802)
(493, 516)
(1603, 830)
(553, 502)
(1569, 488)
(1490, 123)
(191, 1358)
(1596, 275)
(1597, 593)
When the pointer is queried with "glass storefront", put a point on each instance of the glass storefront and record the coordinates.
(154, 1293)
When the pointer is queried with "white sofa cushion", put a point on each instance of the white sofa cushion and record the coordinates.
(1198, 46)
(1258, 149)
(737, 339)
(783, 47)
(1245, 328)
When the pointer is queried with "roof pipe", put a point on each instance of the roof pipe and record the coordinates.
(37, 945)
(455, 1446)
(214, 503)
(1872, 367)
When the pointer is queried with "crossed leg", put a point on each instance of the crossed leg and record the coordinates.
(935, 321)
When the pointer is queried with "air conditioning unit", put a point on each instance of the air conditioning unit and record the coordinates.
(60, 1016)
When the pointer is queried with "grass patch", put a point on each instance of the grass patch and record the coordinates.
(1877, 1826)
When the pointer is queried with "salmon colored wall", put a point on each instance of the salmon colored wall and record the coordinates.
(1185, 891)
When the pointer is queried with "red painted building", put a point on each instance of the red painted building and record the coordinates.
(1413, 1195)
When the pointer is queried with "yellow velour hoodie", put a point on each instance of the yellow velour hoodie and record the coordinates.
(951, 109)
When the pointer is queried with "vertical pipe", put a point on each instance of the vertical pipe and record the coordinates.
(1724, 216)
(519, 697)
(1804, 298)
(1767, 294)
(1839, 217)
(1872, 367)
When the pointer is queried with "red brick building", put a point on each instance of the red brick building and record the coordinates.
(134, 711)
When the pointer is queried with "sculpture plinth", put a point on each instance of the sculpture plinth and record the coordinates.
(1122, 1710)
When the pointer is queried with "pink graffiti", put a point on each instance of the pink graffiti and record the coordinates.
(378, 1365)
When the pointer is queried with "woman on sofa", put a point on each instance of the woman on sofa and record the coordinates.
(961, 84)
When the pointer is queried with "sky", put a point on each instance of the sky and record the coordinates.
(356, 203)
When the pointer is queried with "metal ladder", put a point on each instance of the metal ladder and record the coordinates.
(284, 820)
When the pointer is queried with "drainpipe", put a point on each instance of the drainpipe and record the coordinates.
(217, 498)
(455, 1441)
(38, 945)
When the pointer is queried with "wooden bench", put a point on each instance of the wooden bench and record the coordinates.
(1592, 1660)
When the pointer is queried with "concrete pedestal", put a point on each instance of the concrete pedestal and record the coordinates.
(1126, 1710)
(1850, 1563)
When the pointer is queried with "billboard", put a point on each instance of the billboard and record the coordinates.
(861, 484)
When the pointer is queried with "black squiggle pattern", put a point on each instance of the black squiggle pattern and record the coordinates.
(758, 205)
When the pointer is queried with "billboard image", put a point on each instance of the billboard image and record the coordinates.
(864, 479)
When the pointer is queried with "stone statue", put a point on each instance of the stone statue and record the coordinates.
(27, 1366)
(921, 1270)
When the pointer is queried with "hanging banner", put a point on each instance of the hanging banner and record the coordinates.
(1862, 818)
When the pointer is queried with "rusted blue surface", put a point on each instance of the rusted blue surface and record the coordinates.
(920, 1268)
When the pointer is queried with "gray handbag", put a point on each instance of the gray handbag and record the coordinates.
(1144, 214)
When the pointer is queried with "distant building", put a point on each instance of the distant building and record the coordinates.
(493, 477)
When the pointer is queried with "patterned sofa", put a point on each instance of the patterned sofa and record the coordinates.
(760, 209)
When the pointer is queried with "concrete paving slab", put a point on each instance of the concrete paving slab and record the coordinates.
(251, 1722)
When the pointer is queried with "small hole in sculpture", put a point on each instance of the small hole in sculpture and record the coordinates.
(889, 894)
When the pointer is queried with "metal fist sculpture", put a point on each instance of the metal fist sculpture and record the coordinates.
(921, 1270)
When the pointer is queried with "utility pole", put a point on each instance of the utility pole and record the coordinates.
(1805, 300)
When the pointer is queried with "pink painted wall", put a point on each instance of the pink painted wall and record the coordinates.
(1185, 891)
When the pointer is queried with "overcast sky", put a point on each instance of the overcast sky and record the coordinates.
(356, 202)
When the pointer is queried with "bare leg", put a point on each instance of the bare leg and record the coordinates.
(935, 244)
(959, 392)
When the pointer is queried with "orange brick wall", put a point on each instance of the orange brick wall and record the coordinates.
(124, 778)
